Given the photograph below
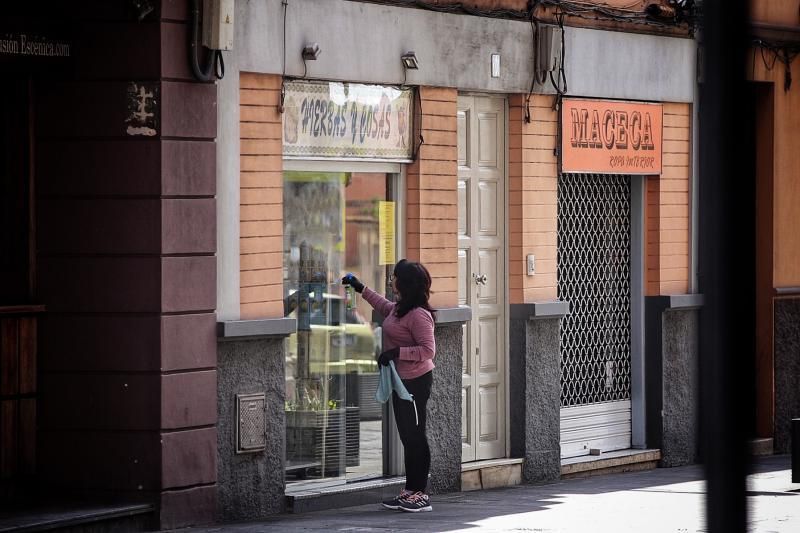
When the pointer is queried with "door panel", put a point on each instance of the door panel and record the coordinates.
(488, 142)
(463, 135)
(466, 347)
(488, 352)
(487, 191)
(490, 414)
(463, 202)
(481, 175)
(465, 420)
(463, 277)
(487, 264)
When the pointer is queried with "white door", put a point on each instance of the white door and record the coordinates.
(481, 274)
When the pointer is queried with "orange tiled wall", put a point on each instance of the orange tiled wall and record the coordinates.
(785, 263)
(432, 197)
(261, 197)
(667, 216)
(532, 181)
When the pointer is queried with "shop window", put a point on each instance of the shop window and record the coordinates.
(334, 223)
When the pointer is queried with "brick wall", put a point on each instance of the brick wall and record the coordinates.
(261, 197)
(432, 196)
(532, 181)
(667, 215)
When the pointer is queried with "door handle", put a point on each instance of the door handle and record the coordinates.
(479, 280)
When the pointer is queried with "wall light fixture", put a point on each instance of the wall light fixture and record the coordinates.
(410, 61)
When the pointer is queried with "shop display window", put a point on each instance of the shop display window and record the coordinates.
(334, 223)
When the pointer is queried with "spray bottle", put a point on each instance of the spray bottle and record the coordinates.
(349, 294)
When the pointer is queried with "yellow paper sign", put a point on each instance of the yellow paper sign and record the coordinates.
(386, 232)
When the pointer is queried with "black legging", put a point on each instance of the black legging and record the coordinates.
(412, 433)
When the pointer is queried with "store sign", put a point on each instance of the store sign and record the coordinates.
(347, 120)
(18, 44)
(606, 137)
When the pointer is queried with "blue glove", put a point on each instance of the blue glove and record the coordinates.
(388, 355)
(351, 280)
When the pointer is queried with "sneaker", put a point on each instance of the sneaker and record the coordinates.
(416, 502)
(394, 503)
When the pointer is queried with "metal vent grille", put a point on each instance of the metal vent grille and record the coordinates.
(594, 276)
(251, 429)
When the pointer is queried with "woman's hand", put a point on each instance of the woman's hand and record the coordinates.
(388, 355)
(351, 280)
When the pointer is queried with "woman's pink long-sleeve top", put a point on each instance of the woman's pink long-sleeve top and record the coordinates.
(413, 334)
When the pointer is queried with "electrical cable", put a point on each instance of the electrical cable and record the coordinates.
(219, 65)
(281, 106)
(780, 51)
(417, 124)
(772, 52)
(562, 74)
(538, 76)
(207, 71)
(534, 65)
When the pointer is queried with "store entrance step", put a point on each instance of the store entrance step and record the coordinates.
(80, 517)
(764, 446)
(343, 495)
(491, 474)
(610, 463)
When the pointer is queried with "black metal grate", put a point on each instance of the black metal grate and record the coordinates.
(594, 276)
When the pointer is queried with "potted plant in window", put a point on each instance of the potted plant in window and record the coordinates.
(315, 436)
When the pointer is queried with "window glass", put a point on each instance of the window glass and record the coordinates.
(332, 225)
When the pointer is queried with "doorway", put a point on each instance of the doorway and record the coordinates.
(18, 317)
(595, 277)
(482, 273)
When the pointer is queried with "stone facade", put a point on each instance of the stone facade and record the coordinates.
(680, 392)
(787, 370)
(671, 374)
(250, 485)
(444, 410)
(535, 392)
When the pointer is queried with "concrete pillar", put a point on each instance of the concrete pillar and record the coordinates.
(671, 371)
(535, 388)
(251, 360)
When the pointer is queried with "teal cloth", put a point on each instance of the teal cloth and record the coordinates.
(389, 381)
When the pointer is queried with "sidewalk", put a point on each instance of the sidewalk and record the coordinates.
(668, 500)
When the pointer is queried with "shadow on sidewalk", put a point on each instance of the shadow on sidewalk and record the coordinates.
(513, 506)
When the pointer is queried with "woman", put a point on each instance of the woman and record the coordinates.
(408, 341)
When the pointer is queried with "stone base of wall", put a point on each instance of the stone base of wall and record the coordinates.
(535, 393)
(250, 485)
(787, 370)
(679, 444)
(444, 410)
(671, 374)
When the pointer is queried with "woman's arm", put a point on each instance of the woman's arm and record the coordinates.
(421, 326)
(378, 302)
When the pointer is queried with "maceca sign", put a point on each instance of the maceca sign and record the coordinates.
(606, 137)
